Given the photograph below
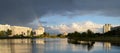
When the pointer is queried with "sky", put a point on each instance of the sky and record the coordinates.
(54, 13)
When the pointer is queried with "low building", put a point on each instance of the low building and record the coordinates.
(5, 27)
(18, 30)
(39, 31)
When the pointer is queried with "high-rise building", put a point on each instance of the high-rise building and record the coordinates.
(106, 28)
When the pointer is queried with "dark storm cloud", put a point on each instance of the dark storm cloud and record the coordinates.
(22, 12)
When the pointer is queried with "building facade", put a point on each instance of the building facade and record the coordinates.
(106, 28)
(5, 27)
(18, 30)
(39, 31)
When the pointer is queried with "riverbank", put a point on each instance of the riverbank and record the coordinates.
(29, 37)
(17, 37)
(100, 39)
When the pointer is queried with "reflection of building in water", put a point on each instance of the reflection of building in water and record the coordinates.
(14, 46)
(61, 44)
(20, 46)
(37, 46)
(4, 46)
(107, 45)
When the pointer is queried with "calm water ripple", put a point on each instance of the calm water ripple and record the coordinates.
(57, 45)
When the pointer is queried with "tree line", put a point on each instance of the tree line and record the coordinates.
(90, 34)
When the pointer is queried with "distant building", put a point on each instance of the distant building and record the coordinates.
(65, 33)
(17, 30)
(39, 31)
(106, 28)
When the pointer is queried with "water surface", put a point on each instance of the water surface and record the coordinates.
(57, 45)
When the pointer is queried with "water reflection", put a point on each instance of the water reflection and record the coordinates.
(37, 45)
(89, 45)
(20, 46)
(57, 45)
(105, 47)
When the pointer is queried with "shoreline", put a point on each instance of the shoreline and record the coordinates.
(26, 37)
(99, 39)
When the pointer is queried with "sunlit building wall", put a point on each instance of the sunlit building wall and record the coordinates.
(17, 30)
(39, 31)
(106, 28)
(4, 27)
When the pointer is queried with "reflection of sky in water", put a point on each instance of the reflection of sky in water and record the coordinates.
(53, 46)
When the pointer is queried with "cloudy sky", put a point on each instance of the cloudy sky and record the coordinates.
(54, 13)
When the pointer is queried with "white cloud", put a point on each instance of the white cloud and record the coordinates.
(77, 26)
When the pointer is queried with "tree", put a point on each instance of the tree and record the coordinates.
(2, 33)
(32, 33)
(83, 34)
(9, 32)
(90, 33)
(28, 32)
(59, 35)
(46, 33)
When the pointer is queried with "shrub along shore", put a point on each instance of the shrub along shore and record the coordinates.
(21, 36)
(111, 36)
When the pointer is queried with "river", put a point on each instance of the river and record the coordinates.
(56, 45)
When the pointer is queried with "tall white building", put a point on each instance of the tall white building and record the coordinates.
(106, 28)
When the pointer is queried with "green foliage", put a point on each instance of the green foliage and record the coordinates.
(113, 33)
(9, 32)
(32, 33)
(2, 33)
(59, 35)
(5, 33)
(76, 34)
